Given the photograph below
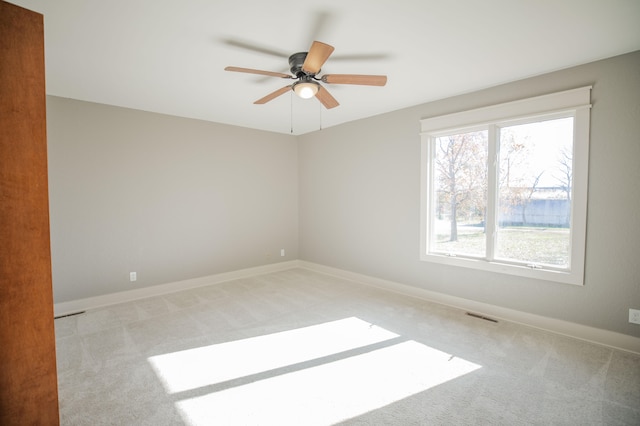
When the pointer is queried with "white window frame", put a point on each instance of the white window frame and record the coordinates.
(574, 103)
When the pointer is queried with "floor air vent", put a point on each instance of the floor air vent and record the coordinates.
(471, 314)
(68, 315)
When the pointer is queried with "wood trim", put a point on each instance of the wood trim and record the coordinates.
(28, 380)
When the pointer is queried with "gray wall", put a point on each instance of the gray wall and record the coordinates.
(360, 201)
(167, 197)
(173, 199)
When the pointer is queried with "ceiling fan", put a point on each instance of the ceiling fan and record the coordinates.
(305, 67)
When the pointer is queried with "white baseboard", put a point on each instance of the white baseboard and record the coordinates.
(65, 308)
(591, 334)
(578, 331)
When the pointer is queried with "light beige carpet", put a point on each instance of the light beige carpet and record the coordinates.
(302, 348)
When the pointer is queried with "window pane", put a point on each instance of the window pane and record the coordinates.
(534, 181)
(460, 194)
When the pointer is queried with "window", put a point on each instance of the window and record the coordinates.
(504, 188)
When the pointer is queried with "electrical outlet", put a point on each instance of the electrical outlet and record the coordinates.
(133, 276)
(634, 316)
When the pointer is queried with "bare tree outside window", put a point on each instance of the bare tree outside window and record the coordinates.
(533, 192)
(504, 187)
(460, 176)
(533, 206)
(518, 175)
(564, 177)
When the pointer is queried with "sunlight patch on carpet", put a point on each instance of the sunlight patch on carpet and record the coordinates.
(205, 366)
(331, 392)
(374, 368)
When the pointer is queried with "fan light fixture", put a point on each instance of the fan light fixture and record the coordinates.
(306, 89)
(305, 67)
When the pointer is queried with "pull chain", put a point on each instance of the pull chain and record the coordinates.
(291, 98)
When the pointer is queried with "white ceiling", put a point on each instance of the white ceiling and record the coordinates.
(169, 56)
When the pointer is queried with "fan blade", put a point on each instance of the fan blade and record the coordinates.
(317, 56)
(321, 19)
(360, 57)
(326, 99)
(255, 47)
(273, 95)
(252, 71)
(365, 80)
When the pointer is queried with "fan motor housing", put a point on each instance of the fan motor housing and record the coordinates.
(295, 63)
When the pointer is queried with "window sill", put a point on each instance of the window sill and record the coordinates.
(539, 273)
